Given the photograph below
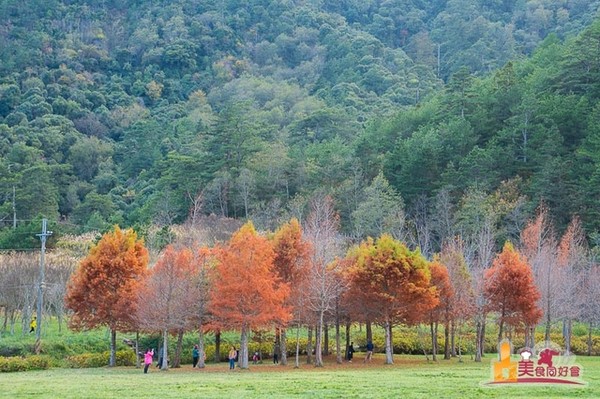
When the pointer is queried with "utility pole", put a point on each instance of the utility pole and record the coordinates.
(38, 332)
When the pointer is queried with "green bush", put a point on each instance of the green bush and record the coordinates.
(38, 362)
(90, 360)
(579, 345)
(12, 364)
(125, 358)
(87, 360)
(14, 349)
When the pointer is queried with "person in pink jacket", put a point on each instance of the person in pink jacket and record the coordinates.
(148, 359)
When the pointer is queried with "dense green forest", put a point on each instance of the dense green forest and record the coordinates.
(143, 113)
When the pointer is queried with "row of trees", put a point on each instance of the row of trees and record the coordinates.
(306, 276)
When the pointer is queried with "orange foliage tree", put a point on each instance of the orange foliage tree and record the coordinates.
(440, 279)
(510, 290)
(167, 295)
(102, 291)
(292, 257)
(393, 282)
(247, 293)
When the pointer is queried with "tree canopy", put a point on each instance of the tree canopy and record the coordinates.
(103, 290)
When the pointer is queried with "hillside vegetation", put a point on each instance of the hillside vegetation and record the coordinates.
(138, 113)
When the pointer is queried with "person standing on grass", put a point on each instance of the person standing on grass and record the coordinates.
(148, 359)
(369, 354)
(195, 356)
(350, 352)
(32, 325)
(232, 355)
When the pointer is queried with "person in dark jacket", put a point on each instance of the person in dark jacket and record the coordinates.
(195, 356)
(369, 354)
(350, 353)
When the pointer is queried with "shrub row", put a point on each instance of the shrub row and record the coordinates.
(405, 341)
(15, 363)
(16, 356)
(88, 360)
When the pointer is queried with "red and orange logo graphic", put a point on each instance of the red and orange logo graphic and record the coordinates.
(543, 364)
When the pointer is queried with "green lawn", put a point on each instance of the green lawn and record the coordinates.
(410, 377)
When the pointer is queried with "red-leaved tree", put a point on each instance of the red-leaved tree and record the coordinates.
(247, 294)
(511, 291)
(167, 296)
(102, 291)
(292, 257)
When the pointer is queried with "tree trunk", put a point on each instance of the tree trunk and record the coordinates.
(459, 351)
(277, 345)
(567, 336)
(500, 329)
(112, 362)
(12, 322)
(165, 360)
(177, 359)
(483, 323)
(529, 336)
(369, 329)
(297, 365)
(389, 349)
(283, 347)
(478, 340)
(243, 360)
(589, 340)
(309, 346)
(446, 341)
(318, 341)
(4, 323)
(201, 349)
(548, 317)
(452, 338)
(547, 331)
(137, 350)
(434, 344)
(338, 343)
(326, 339)
(217, 346)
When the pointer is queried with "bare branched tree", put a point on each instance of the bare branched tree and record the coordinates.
(18, 287)
(539, 246)
(573, 260)
(321, 231)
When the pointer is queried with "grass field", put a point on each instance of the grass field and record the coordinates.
(409, 377)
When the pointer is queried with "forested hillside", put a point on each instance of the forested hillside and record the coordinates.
(144, 112)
